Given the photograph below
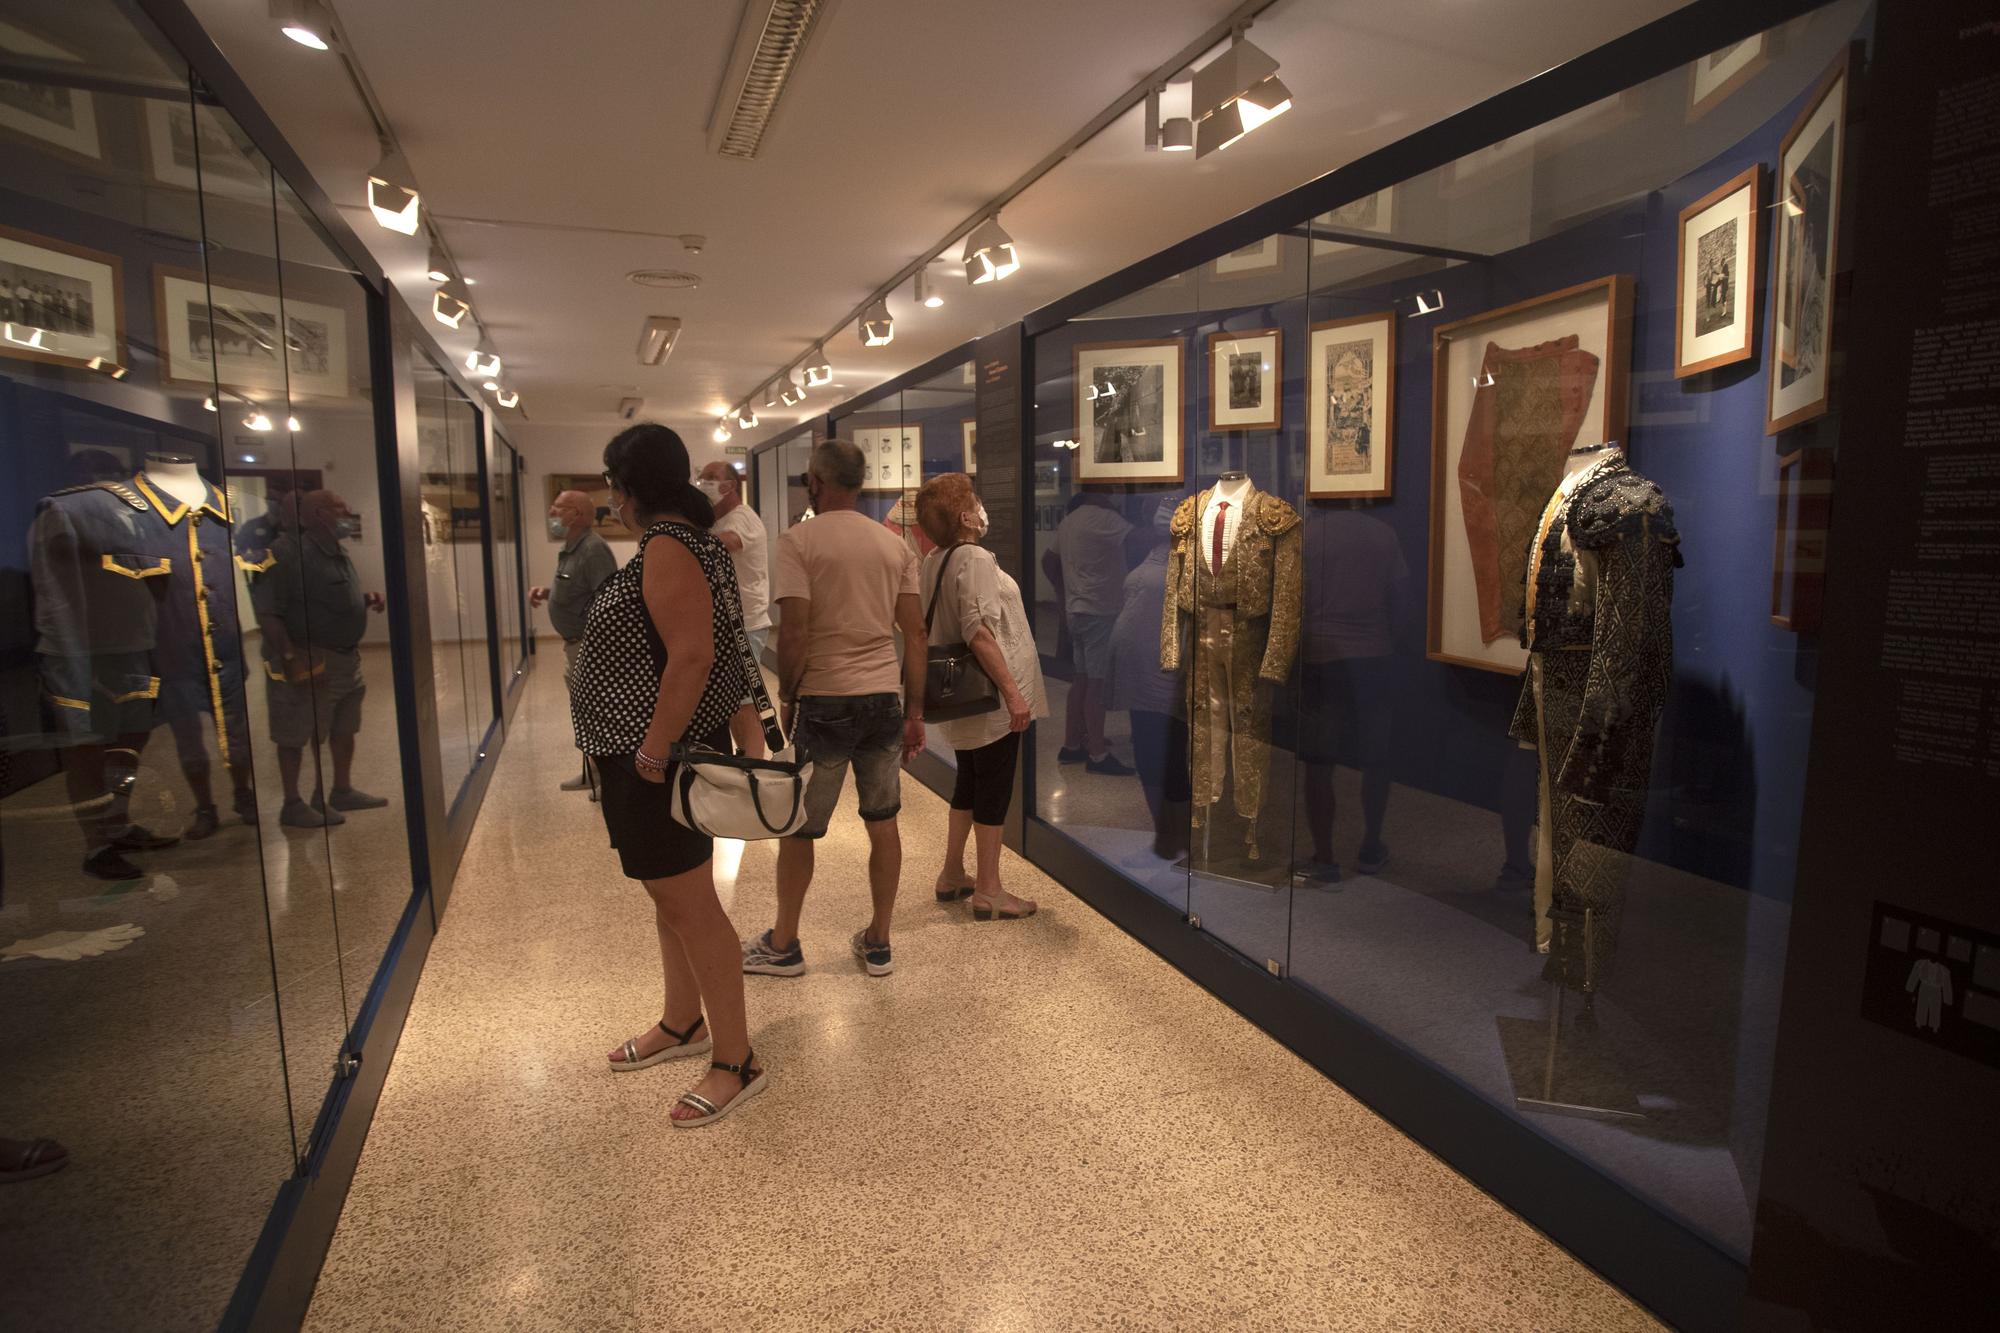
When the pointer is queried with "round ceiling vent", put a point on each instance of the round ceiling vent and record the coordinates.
(671, 278)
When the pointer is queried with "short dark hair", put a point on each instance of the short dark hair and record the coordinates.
(650, 463)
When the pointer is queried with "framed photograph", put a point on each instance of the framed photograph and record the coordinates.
(1129, 412)
(894, 456)
(59, 303)
(1715, 78)
(592, 485)
(211, 334)
(1806, 241)
(1512, 392)
(1265, 256)
(1798, 552)
(63, 117)
(1715, 309)
(1245, 370)
(968, 434)
(1351, 407)
(208, 151)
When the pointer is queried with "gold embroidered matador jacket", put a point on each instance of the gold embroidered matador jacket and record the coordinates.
(1260, 586)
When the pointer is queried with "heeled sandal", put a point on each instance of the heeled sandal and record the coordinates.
(684, 1045)
(948, 896)
(751, 1076)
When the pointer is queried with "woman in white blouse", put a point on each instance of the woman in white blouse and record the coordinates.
(979, 604)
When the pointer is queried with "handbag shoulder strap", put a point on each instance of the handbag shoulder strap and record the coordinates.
(930, 612)
(767, 712)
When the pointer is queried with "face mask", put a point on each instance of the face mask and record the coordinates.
(976, 520)
(558, 529)
(347, 529)
(712, 489)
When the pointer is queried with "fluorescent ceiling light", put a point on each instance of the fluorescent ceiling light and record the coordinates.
(484, 359)
(449, 306)
(877, 328)
(657, 338)
(392, 193)
(305, 22)
(926, 294)
(439, 268)
(819, 372)
(989, 253)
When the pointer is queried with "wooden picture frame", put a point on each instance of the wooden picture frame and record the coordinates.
(315, 361)
(1798, 543)
(1472, 617)
(1265, 256)
(1126, 392)
(32, 267)
(1720, 75)
(968, 437)
(1805, 249)
(593, 485)
(203, 148)
(1719, 232)
(1246, 375)
(879, 447)
(51, 115)
(1351, 407)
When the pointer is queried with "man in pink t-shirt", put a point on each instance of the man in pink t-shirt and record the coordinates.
(844, 586)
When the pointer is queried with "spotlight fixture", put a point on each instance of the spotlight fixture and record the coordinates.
(989, 253)
(1234, 94)
(1430, 302)
(746, 417)
(722, 429)
(927, 295)
(771, 394)
(305, 22)
(25, 335)
(508, 396)
(449, 306)
(484, 359)
(392, 193)
(819, 371)
(657, 337)
(492, 384)
(1177, 135)
(292, 425)
(208, 403)
(439, 268)
(258, 420)
(877, 328)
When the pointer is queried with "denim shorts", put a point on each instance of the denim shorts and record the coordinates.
(864, 730)
(1090, 643)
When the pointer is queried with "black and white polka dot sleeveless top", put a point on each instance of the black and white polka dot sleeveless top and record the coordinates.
(617, 677)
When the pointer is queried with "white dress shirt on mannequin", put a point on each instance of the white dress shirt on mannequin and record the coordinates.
(1234, 494)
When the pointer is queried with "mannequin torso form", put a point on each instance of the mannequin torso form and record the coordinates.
(1224, 508)
(176, 475)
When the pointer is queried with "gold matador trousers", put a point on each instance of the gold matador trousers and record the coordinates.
(1231, 717)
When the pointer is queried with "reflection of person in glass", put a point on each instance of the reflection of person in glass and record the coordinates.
(582, 565)
(1354, 578)
(1156, 699)
(313, 614)
(1090, 544)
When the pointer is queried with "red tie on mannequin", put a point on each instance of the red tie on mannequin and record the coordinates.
(1221, 514)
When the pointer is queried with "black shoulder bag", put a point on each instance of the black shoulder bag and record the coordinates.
(955, 685)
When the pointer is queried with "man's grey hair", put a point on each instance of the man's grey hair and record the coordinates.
(838, 463)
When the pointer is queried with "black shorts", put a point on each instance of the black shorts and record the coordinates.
(986, 779)
(651, 843)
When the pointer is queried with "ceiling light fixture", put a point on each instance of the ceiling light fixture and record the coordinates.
(746, 417)
(392, 193)
(819, 371)
(449, 306)
(989, 253)
(1430, 302)
(657, 338)
(877, 328)
(439, 267)
(492, 384)
(1234, 94)
(1171, 134)
(305, 22)
(484, 359)
(258, 420)
(292, 425)
(771, 394)
(722, 429)
(926, 294)
(508, 396)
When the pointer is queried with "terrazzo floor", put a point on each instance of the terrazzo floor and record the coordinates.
(1031, 1125)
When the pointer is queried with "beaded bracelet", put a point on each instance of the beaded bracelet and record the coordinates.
(644, 760)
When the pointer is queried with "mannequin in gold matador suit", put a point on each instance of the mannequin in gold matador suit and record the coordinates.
(1233, 566)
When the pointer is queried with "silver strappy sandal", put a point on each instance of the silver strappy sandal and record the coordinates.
(683, 1046)
(753, 1080)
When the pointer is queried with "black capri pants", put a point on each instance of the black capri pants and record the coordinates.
(986, 779)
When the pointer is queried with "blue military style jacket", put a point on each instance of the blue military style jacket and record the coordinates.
(100, 583)
(200, 652)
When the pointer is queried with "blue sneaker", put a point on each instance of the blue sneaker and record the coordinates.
(874, 957)
(761, 958)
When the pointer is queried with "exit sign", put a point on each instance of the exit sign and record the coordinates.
(737, 449)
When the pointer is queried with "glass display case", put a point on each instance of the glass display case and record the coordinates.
(1429, 592)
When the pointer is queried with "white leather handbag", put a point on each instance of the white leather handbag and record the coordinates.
(730, 796)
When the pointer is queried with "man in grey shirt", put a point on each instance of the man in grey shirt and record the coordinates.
(581, 566)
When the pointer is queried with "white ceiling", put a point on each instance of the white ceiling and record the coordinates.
(905, 116)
